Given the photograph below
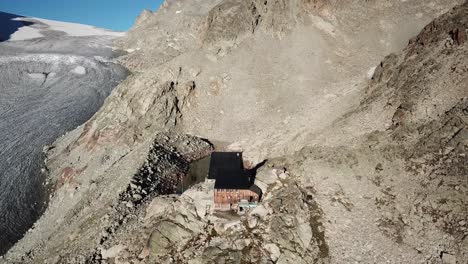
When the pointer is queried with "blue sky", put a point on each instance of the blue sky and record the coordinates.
(111, 14)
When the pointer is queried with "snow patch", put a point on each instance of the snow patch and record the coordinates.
(79, 70)
(26, 33)
(79, 29)
(71, 29)
(370, 72)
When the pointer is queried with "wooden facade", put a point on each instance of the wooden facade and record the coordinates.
(230, 199)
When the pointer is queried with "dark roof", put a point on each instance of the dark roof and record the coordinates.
(228, 170)
(232, 180)
(231, 161)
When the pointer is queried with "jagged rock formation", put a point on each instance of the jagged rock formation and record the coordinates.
(368, 171)
(113, 212)
(288, 219)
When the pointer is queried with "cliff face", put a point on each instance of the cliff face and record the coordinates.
(366, 170)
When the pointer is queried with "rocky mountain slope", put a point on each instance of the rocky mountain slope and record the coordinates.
(365, 164)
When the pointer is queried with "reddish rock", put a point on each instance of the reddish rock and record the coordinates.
(458, 36)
